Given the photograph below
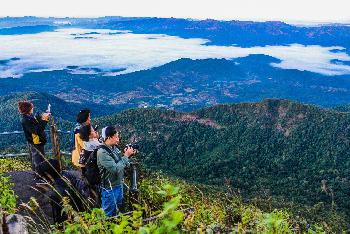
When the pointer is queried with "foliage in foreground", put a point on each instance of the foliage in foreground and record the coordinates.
(170, 206)
(175, 207)
(280, 153)
(167, 221)
(14, 164)
(7, 195)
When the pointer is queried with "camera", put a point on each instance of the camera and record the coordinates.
(134, 146)
(48, 110)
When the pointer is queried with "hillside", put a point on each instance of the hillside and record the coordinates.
(277, 153)
(296, 154)
(181, 208)
(343, 108)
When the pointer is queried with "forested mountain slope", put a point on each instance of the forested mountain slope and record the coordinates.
(278, 148)
(343, 108)
(295, 154)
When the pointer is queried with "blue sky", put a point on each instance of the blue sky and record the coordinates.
(259, 10)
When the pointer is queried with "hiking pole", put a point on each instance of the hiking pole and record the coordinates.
(55, 143)
(134, 191)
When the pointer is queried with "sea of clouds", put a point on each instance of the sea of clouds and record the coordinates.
(110, 50)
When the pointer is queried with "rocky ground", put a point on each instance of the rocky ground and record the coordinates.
(26, 187)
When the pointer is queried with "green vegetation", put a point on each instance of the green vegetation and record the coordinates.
(167, 220)
(278, 153)
(171, 206)
(275, 154)
(343, 108)
(14, 164)
(7, 195)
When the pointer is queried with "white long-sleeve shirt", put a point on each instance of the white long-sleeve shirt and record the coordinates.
(91, 145)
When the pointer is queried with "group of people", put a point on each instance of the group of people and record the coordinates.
(110, 161)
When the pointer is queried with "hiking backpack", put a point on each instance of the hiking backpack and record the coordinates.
(92, 173)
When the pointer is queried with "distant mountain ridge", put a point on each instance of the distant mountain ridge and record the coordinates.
(241, 33)
(19, 30)
(188, 84)
(201, 83)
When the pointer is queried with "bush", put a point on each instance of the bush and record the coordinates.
(7, 195)
(14, 164)
(166, 221)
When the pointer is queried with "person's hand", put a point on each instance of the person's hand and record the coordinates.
(46, 116)
(129, 152)
(94, 134)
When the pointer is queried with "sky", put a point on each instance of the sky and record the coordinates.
(258, 10)
(109, 50)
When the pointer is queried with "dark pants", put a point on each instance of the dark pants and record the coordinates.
(37, 153)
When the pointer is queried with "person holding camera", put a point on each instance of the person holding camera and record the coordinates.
(34, 131)
(111, 164)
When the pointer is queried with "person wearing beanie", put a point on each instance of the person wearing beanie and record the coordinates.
(83, 118)
(34, 131)
(111, 164)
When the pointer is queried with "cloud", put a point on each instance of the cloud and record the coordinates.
(112, 50)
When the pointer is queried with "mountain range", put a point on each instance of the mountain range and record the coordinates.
(189, 84)
(278, 137)
(295, 154)
(240, 33)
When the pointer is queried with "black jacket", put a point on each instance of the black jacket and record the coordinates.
(34, 129)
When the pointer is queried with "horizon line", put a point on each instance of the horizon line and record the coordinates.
(288, 21)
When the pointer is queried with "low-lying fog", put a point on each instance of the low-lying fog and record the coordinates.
(110, 50)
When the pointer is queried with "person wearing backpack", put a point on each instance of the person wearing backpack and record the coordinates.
(111, 165)
(90, 142)
(83, 118)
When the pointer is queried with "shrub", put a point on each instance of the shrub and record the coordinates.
(7, 195)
